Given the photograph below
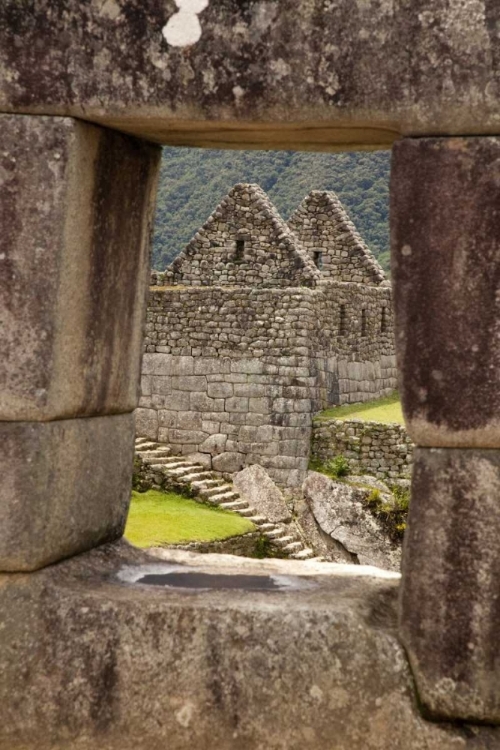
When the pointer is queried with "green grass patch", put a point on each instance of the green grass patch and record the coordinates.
(386, 409)
(160, 518)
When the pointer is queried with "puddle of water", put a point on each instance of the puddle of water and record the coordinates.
(183, 577)
(212, 581)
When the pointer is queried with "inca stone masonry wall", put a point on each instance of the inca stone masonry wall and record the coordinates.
(326, 233)
(244, 242)
(384, 450)
(232, 377)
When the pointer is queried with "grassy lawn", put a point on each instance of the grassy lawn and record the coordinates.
(157, 518)
(386, 409)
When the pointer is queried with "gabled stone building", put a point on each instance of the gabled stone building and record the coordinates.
(329, 237)
(244, 242)
(257, 325)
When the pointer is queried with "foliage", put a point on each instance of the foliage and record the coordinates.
(157, 518)
(193, 181)
(387, 409)
(265, 548)
(393, 515)
(336, 468)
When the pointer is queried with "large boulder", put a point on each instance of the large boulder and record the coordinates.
(341, 512)
(256, 487)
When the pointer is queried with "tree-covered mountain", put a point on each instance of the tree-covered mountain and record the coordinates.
(193, 181)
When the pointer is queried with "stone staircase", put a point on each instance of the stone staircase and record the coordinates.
(212, 489)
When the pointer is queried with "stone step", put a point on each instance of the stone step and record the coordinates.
(247, 512)
(230, 503)
(142, 442)
(163, 460)
(267, 526)
(293, 547)
(227, 496)
(176, 463)
(194, 475)
(284, 541)
(217, 489)
(177, 471)
(304, 554)
(275, 533)
(148, 446)
(154, 452)
(259, 521)
(208, 484)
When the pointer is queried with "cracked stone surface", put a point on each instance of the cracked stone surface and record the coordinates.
(313, 74)
(341, 513)
(88, 659)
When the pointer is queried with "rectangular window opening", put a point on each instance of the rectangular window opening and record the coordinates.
(240, 249)
(363, 322)
(318, 259)
(342, 321)
(383, 320)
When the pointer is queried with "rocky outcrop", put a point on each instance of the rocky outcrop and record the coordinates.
(256, 487)
(341, 512)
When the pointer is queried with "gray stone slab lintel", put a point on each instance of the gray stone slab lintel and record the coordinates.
(450, 603)
(310, 75)
(65, 487)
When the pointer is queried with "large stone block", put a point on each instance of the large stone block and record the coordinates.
(256, 487)
(345, 81)
(450, 618)
(76, 206)
(445, 264)
(146, 423)
(89, 659)
(65, 487)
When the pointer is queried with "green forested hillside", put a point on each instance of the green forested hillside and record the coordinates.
(193, 181)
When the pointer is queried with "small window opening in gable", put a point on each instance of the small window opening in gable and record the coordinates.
(214, 243)
(342, 321)
(318, 259)
(363, 322)
(383, 320)
(240, 249)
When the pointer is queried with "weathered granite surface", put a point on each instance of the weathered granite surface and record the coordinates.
(450, 606)
(65, 487)
(446, 265)
(341, 513)
(312, 74)
(256, 487)
(90, 660)
(75, 210)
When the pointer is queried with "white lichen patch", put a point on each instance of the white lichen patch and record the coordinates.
(183, 28)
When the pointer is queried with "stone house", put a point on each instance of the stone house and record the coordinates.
(256, 326)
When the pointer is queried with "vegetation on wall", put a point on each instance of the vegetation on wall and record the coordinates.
(193, 182)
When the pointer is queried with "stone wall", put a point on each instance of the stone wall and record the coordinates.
(329, 237)
(233, 376)
(377, 448)
(244, 242)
